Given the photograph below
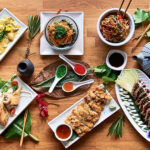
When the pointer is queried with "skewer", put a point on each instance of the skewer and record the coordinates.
(138, 41)
(127, 8)
(120, 6)
(24, 123)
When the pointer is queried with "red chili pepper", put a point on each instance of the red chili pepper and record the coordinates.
(119, 17)
(14, 83)
(42, 105)
(12, 111)
(107, 37)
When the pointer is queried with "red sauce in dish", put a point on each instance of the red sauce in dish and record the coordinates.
(79, 69)
(63, 131)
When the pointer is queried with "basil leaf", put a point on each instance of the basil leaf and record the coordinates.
(74, 136)
(107, 79)
(102, 70)
(70, 76)
(140, 15)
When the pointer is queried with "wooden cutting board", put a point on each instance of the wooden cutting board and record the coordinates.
(49, 71)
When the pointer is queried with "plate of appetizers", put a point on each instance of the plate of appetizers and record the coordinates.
(133, 93)
(70, 41)
(85, 114)
(15, 96)
(11, 30)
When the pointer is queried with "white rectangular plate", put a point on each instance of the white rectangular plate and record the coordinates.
(126, 104)
(77, 49)
(62, 117)
(23, 28)
(25, 100)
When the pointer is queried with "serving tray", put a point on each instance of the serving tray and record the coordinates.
(127, 104)
(27, 96)
(62, 117)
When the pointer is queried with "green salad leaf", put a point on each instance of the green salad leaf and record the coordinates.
(15, 129)
(70, 76)
(104, 72)
(140, 16)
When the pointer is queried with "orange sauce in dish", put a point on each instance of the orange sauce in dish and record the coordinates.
(63, 132)
(68, 86)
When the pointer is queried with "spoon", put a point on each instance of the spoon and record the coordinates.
(76, 85)
(57, 79)
(74, 65)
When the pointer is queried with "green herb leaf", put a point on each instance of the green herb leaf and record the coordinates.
(34, 26)
(70, 76)
(15, 129)
(107, 79)
(60, 32)
(2, 82)
(2, 33)
(117, 127)
(102, 70)
(140, 15)
(74, 136)
(148, 33)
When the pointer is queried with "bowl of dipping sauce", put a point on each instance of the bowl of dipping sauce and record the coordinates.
(63, 132)
(116, 60)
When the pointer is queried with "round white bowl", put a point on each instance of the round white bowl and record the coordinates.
(116, 68)
(132, 27)
(63, 140)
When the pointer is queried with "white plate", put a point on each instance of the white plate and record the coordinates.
(6, 13)
(126, 103)
(62, 117)
(77, 49)
(25, 100)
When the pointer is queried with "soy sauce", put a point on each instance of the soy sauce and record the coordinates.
(116, 60)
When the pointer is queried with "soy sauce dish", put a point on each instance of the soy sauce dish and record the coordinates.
(116, 60)
(63, 132)
(115, 29)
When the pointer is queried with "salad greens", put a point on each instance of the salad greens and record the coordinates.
(15, 129)
(104, 72)
(70, 76)
(141, 16)
(6, 85)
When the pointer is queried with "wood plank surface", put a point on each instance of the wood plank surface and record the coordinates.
(95, 53)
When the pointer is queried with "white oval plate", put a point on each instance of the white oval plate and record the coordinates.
(126, 103)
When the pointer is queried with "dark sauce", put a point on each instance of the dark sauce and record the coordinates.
(116, 60)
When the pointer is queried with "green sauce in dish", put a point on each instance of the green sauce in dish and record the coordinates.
(61, 71)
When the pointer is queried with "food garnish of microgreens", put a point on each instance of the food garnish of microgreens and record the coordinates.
(116, 128)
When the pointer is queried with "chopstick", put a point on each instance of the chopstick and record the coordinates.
(121, 6)
(127, 8)
(24, 123)
(138, 41)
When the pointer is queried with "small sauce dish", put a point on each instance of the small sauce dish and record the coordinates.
(63, 132)
(116, 60)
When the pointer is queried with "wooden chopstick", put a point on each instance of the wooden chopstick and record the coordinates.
(138, 41)
(127, 8)
(121, 6)
(24, 123)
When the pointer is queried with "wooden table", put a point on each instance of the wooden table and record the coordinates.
(95, 53)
